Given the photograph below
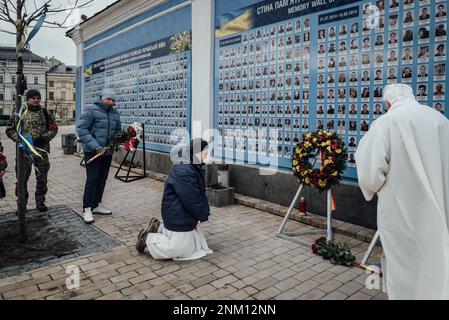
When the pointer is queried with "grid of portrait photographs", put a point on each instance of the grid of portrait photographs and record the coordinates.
(164, 99)
(263, 85)
(93, 86)
(406, 44)
(155, 92)
(284, 76)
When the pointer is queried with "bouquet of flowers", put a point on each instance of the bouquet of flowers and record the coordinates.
(135, 136)
(337, 253)
(130, 137)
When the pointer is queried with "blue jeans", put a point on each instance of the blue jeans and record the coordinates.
(97, 173)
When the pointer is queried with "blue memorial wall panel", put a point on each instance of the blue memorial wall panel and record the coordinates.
(153, 86)
(183, 24)
(161, 27)
(283, 68)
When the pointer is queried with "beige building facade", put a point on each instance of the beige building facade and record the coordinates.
(61, 92)
(34, 69)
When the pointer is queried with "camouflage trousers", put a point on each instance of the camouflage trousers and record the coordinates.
(41, 178)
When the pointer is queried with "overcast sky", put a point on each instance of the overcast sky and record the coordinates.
(53, 42)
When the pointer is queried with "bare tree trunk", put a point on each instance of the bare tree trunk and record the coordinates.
(21, 205)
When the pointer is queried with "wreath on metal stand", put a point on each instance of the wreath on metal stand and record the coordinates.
(332, 151)
(333, 160)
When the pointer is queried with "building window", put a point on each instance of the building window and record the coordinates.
(51, 83)
(13, 79)
(13, 97)
(63, 96)
(1, 79)
(63, 84)
(74, 96)
(36, 80)
(51, 95)
(2, 97)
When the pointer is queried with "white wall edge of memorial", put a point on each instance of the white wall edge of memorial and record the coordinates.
(140, 23)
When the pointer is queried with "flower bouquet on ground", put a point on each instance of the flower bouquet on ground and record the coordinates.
(337, 253)
(130, 138)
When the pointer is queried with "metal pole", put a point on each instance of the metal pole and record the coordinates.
(144, 151)
(329, 216)
(370, 248)
(290, 209)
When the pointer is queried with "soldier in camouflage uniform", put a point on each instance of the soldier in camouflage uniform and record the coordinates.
(42, 129)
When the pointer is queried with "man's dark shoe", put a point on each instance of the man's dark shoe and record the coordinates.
(42, 207)
(17, 212)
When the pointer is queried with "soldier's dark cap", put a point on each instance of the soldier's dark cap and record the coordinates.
(33, 93)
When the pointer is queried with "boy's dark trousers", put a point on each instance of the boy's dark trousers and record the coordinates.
(97, 173)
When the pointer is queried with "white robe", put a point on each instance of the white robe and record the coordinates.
(166, 244)
(404, 157)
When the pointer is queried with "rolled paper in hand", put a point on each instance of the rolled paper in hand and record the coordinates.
(93, 158)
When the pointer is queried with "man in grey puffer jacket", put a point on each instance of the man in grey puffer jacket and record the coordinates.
(96, 127)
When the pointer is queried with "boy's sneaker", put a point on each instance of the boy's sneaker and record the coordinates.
(141, 241)
(153, 226)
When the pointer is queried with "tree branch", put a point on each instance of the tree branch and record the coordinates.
(5, 11)
(36, 14)
(6, 31)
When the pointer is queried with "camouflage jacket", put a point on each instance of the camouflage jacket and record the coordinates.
(34, 123)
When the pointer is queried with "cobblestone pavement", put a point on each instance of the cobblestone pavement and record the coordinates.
(248, 262)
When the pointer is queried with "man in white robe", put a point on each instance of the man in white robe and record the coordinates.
(404, 158)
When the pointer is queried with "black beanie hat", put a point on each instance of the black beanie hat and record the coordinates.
(197, 145)
(32, 93)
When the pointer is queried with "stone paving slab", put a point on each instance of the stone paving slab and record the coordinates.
(249, 261)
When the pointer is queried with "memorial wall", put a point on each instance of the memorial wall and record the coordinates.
(152, 84)
(283, 68)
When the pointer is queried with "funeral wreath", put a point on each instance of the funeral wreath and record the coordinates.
(333, 159)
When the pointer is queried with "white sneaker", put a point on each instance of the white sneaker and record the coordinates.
(88, 218)
(101, 210)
